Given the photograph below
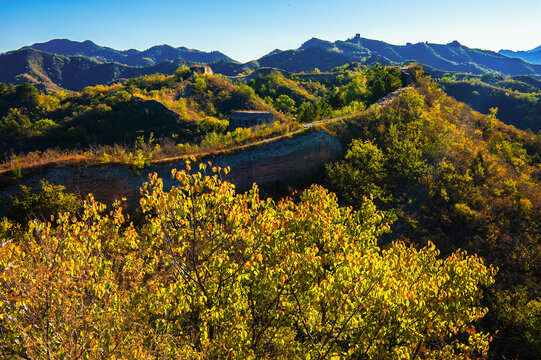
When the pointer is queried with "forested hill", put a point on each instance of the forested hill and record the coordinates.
(186, 111)
(517, 99)
(373, 272)
(452, 176)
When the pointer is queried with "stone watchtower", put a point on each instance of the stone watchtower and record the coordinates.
(201, 69)
(249, 118)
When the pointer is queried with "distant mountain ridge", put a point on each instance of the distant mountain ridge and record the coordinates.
(325, 55)
(448, 57)
(72, 65)
(54, 72)
(131, 57)
(533, 56)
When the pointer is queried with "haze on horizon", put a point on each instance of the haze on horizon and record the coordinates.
(246, 30)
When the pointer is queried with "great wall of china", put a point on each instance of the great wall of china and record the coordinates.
(284, 158)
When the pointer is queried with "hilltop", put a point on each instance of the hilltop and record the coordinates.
(120, 113)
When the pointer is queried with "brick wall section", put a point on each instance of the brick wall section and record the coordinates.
(249, 118)
(285, 160)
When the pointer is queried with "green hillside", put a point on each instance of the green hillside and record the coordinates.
(164, 106)
(182, 113)
(426, 244)
(459, 179)
(518, 99)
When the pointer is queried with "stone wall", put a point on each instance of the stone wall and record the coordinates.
(283, 160)
(201, 69)
(267, 70)
(249, 118)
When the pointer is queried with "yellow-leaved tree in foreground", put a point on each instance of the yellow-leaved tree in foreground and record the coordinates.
(218, 275)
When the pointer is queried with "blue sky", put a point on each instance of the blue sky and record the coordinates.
(246, 30)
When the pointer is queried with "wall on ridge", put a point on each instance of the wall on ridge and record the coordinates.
(285, 160)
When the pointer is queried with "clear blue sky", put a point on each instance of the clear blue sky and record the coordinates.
(246, 30)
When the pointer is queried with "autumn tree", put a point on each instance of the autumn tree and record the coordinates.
(216, 274)
(285, 104)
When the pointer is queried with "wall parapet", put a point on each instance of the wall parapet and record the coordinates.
(249, 118)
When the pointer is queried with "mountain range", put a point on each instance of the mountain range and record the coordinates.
(53, 72)
(71, 65)
(131, 57)
(532, 56)
(448, 57)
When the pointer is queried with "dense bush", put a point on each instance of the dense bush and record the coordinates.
(458, 179)
(215, 274)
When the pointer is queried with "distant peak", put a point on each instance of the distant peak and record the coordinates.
(357, 39)
(315, 42)
(55, 42)
(455, 43)
(162, 46)
(314, 39)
